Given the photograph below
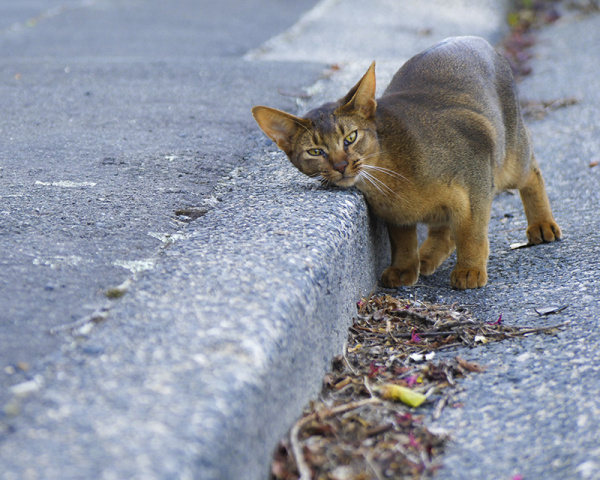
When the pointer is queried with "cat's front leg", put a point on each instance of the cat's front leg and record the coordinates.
(472, 249)
(438, 247)
(405, 257)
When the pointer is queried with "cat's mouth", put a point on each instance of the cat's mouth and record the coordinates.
(346, 181)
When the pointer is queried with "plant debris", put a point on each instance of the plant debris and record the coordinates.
(585, 7)
(367, 423)
(541, 311)
(539, 109)
(516, 246)
(190, 214)
(524, 19)
(392, 322)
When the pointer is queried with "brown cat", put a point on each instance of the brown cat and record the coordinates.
(444, 138)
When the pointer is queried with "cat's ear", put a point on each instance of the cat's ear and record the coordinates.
(279, 126)
(361, 98)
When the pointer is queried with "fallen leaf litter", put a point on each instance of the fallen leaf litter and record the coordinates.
(365, 424)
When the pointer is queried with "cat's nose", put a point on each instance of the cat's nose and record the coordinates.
(340, 166)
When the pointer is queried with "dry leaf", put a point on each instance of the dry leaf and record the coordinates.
(397, 393)
(470, 366)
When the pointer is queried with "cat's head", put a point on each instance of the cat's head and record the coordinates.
(331, 141)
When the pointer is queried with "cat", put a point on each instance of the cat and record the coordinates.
(446, 136)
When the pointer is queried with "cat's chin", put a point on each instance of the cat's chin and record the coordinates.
(345, 182)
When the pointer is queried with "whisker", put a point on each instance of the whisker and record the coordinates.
(321, 176)
(383, 184)
(376, 182)
(387, 171)
(369, 178)
(381, 169)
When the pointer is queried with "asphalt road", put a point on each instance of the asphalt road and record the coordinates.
(115, 116)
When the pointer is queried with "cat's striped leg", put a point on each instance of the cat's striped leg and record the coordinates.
(405, 257)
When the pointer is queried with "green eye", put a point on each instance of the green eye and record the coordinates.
(350, 138)
(316, 152)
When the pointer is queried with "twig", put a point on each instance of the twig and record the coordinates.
(427, 334)
(345, 355)
(95, 317)
(411, 314)
(373, 431)
(526, 331)
(449, 376)
(368, 386)
(285, 93)
(450, 345)
(375, 468)
(439, 406)
(303, 468)
(470, 323)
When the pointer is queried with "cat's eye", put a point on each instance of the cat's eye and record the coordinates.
(350, 138)
(316, 152)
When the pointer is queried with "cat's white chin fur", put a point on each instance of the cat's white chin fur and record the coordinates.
(345, 182)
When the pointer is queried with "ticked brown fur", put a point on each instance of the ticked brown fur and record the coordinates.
(446, 136)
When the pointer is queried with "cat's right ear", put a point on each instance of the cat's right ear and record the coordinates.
(361, 98)
(279, 126)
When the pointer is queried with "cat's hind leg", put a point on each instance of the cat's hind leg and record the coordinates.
(541, 226)
(438, 246)
(405, 257)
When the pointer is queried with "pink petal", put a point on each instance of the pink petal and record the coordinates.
(412, 441)
(414, 336)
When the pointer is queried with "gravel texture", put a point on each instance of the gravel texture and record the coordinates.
(209, 357)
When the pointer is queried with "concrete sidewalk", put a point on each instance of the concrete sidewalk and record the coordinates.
(209, 358)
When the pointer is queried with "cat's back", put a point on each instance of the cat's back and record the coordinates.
(457, 63)
(453, 99)
(466, 67)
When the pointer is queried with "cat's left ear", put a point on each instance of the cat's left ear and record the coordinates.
(361, 98)
(279, 126)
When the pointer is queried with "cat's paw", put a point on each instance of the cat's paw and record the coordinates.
(543, 232)
(397, 277)
(464, 278)
(427, 266)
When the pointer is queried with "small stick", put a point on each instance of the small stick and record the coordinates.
(285, 93)
(437, 411)
(375, 468)
(410, 314)
(303, 468)
(95, 317)
(450, 345)
(373, 431)
(526, 331)
(470, 323)
(345, 355)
